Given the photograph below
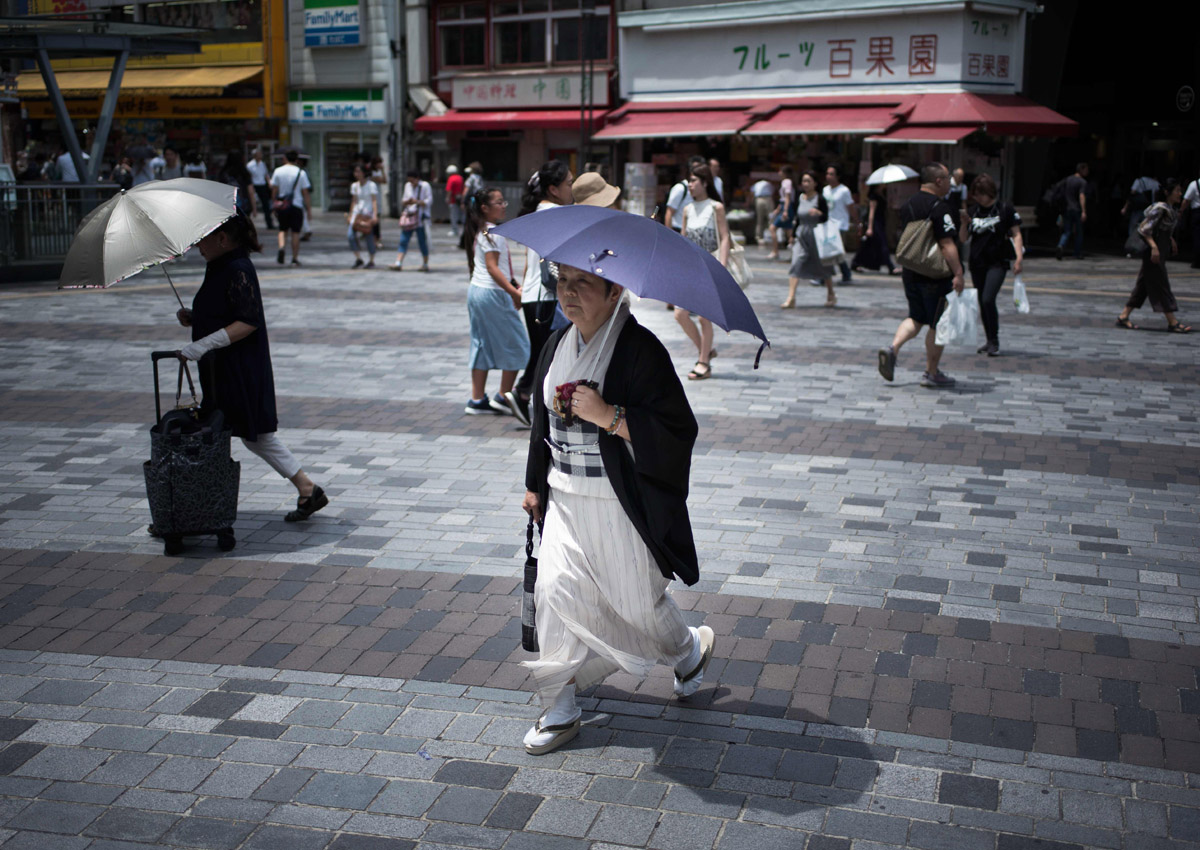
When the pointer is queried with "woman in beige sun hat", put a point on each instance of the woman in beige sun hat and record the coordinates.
(592, 190)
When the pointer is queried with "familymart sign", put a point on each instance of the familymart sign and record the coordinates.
(332, 23)
(341, 106)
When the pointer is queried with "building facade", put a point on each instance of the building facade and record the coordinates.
(342, 94)
(230, 96)
(525, 80)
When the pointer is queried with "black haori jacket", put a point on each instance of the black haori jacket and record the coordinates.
(653, 490)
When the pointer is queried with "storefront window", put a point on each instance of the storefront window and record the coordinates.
(462, 30)
(231, 21)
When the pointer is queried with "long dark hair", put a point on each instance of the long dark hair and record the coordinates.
(475, 222)
(1165, 189)
(537, 188)
(704, 174)
(242, 231)
(235, 167)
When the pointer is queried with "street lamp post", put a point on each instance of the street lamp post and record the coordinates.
(587, 69)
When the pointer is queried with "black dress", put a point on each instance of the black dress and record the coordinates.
(653, 490)
(873, 253)
(238, 376)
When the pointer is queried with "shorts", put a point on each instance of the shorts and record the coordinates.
(926, 297)
(291, 219)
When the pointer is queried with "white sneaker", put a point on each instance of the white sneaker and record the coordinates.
(689, 683)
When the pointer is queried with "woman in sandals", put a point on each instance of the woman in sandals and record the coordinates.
(703, 223)
(811, 210)
(607, 472)
(229, 330)
(1152, 282)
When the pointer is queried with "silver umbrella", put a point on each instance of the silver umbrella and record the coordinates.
(890, 174)
(143, 227)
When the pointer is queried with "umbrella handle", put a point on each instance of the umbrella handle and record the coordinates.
(173, 289)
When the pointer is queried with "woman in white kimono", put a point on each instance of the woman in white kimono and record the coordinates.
(608, 469)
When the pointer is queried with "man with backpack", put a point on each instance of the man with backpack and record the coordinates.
(291, 200)
(927, 216)
(1074, 210)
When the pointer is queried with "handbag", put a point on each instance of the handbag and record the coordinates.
(362, 224)
(529, 639)
(737, 266)
(410, 219)
(919, 252)
(283, 204)
(829, 242)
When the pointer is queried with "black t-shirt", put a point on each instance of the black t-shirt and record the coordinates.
(989, 228)
(926, 205)
(1075, 187)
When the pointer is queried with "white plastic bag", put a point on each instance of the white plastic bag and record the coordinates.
(959, 324)
(1020, 299)
(830, 248)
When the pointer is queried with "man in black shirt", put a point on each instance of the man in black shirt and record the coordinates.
(1074, 216)
(927, 296)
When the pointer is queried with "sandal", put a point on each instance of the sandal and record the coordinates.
(306, 506)
(712, 354)
(832, 302)
(1126, 324)
(697, 375)
(788, 305)
(1179, 328)
(563, 733)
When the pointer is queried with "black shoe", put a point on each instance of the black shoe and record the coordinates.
(519, 406)
(279, 257)
(1058, 253)
(993, 349)
(887, 363)
(358, 263)
(306, 506)
(983, 348)
(295, 262)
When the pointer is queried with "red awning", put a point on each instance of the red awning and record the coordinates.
(646, 124)
(997, 114)
(937, 135)
(818, 120)
(518, 119)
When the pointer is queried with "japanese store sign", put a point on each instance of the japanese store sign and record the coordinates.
(532, 91)
(332, 23)
(965, 49)
(346, 106)
(156, 106)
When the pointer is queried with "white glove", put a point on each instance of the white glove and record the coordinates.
(196, 350)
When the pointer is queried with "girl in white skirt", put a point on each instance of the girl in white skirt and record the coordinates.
(608, 469)
(498, 337)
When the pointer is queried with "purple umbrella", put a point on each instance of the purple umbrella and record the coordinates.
(643, 256)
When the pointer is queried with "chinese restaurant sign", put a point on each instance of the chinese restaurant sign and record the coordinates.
(525, 91)
(340, 106)
(964, 49)
(332, 23)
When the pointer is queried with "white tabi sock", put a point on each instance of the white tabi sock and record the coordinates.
(564, 710)
(688, 664)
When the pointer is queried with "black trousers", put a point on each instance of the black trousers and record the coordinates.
(1152, 282)
(538, 317)
(264, 201)
(988, 280)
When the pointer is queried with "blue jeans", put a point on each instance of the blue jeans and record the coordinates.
(406, 237)
(1072, 224)
(353, 238)
(456, 218)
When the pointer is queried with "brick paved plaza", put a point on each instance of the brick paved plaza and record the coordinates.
(945, 619)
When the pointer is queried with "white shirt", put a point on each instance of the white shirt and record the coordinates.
(1192, 195)
(679, 198)
(361, 195)
(839, 200)
(487, 243)
(421, 192)
(1144, 184)
(258, 172)
(289, 177)
(763, 189)
(197, 170)
(66, 167)
(531, 284)
(720, 184)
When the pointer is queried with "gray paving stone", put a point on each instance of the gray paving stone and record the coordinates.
(408, 798)
(744, 836)
(287, 838)
(180, 774)
(129, 738)
(209, 833)
(159, 801)
(67, 763)
(62, 692)
(564, 817)
(219, 807)
(54, 816)
(263, 752)
(190, 744)
(474, 774)
(684, 832)
(464, 805)
(340, 791)
(130, 825)
(235, 780)
(386, 825)
(309, 816)
(624, 825)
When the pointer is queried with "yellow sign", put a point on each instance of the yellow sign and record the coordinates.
(156, 106)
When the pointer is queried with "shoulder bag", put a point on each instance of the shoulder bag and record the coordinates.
(283, 203)
(919, 252)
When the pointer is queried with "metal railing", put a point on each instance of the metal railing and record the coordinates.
(39, 220)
